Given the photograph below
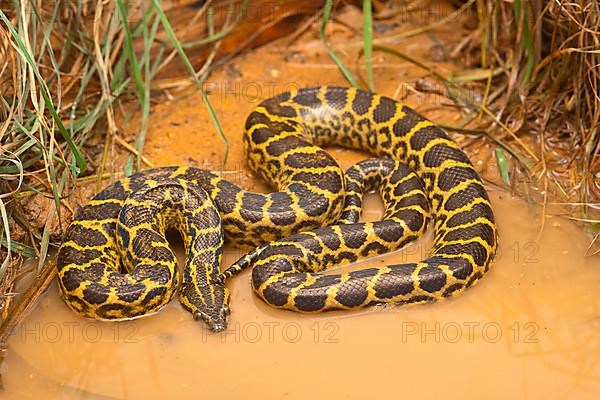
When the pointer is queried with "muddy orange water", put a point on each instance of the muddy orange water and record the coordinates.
(528, 330)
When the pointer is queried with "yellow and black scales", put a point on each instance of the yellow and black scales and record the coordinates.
(115, 262)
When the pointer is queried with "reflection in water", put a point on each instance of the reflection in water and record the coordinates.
(528, 330)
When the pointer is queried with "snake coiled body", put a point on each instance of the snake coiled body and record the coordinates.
(286, 274)
(283, 141)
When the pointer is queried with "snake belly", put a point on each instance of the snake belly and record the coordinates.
(288, 273)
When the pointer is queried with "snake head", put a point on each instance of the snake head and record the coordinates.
(214, 318)
(208, 303)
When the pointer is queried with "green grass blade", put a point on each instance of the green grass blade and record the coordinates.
(81, 163)
(502, 165)
(338, 61)
(4, 216)
(211, 38)
(368, 41)
(128, 43)
(527, 47)
(19, 248)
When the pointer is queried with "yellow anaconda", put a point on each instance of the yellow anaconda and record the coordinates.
(283, 141)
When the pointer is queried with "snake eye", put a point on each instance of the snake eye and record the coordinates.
(226, 310)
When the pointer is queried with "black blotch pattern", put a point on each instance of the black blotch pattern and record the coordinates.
(261, 273)
(96, 293)
(306, 225)
(279, 109)
(153, 293)
(328, 180)
(107, 310)
(99, 211)
(345, 256)
(354, 236)
(438, 200)
(413, 161)
(399, 151)
(281, 202)
(476, 250)
(431, 279)
(353, 199)
(385, 110)
(284, 218)
(423, 136)
(441, 152)
(323, 282)
(465, 196)
(417, 199)
(350, 216)
(330, 239)
(302, 160)
(336, 97)
(374, 248)
(224, 200)
(397, 282)
(161, 253)
(130, 293)
(385, 133)
(398, 175)
(310, 300)
(476, 276)
(450, 177)
(72, 278)
(288, 250)
(124, 235)
(389, 231)
(275, 294)
(142, 243)
(308, 98)
(478, 210)
(261, 135)
(306, 240)
(252, 204)
(256, 118)
(157, 273)
(77, 303)
(284, 144)
(372, 139)
(362, 102)
(478, 230)
(327, 260)
(227, 221)
(95, 271)
(68, 255)
(313, 204)
(403, 125)
(413, 218)
(353, 292)
(85, 236)
(115, 191)
(418, 299)
(451, 289)
(461, 268)
(268, 230)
